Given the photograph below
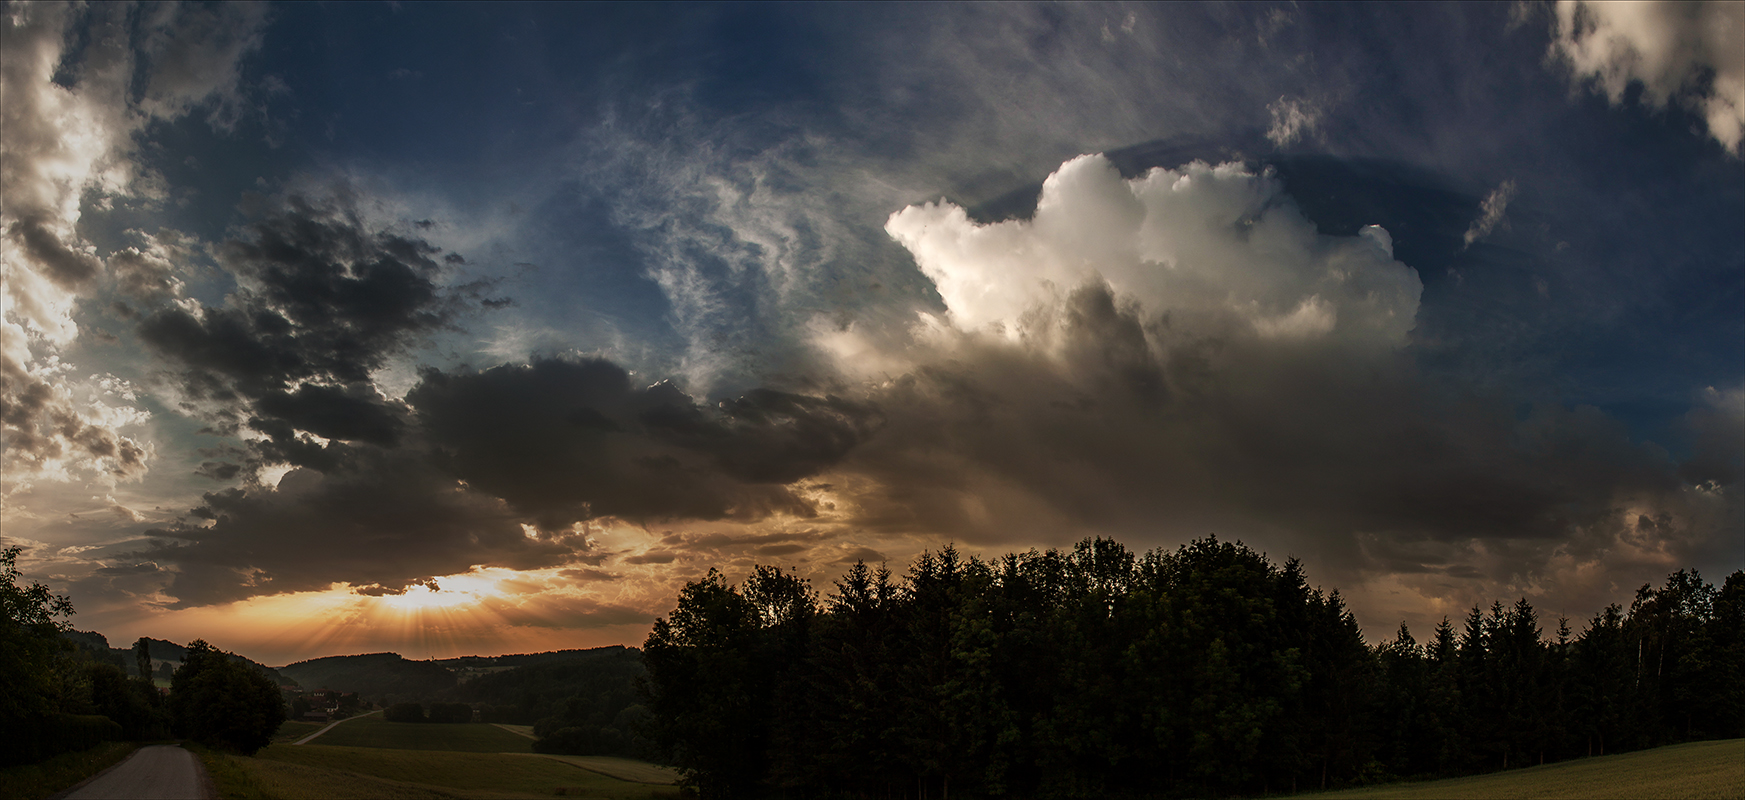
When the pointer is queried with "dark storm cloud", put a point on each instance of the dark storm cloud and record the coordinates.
(354, 413)
(454, 478)
(392, 521)
(378, 590)
(568, 440)
(1717, 431)
(1366, 464)
(322, 299)
(563, 612)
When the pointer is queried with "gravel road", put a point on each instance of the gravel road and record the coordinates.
(157, 772)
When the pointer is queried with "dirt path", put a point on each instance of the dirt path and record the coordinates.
(306, 739)
(156, 772)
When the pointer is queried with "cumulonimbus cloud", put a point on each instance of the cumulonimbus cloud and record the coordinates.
(1184, 352)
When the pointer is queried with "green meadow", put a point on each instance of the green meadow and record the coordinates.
(1695, 771)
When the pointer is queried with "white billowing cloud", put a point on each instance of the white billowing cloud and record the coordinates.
(1292, 118)
(68, 142)
(1220, 250)
(1491, 212)
(1670, 48)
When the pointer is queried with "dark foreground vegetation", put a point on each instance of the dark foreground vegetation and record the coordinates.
(59, 696)
(1208, 671)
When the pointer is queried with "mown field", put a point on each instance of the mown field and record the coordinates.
(471, 737)
(1696, 771)
(368, 757)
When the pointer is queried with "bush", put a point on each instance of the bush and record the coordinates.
(404, 712)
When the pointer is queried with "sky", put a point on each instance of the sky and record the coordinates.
(458, 328)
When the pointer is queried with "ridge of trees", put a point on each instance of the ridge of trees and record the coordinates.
(1102, 672)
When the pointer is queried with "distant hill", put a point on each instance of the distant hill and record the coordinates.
(383, 677)
(162, 652)
(533, 684)
(98, 646)
(604, 678)
(528, 659)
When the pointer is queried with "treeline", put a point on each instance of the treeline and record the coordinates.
(61, 696)
(1209, 670)
(584, 703)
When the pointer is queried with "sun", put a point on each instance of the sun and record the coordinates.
(423, 598)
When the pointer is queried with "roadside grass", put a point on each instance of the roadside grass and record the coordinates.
(466, 737)
(229, 777)
(45, 778)
(293, 730)
(1694, 771)
(317, 772)
(624, 768)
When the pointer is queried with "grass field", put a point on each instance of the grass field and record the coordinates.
(48, 777)
(627, 769)
(290, 772)
(293, 730)
(472, 737)
(1696, 771)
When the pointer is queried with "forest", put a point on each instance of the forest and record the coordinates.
(1204, 671)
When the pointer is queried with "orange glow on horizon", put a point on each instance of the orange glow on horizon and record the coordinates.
(464, 616)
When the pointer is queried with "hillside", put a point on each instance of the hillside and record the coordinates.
(382, 677)
(590, 686)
